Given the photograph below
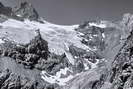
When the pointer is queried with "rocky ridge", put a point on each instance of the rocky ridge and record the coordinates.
(114, 75)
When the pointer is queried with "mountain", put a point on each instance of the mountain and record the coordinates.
(24, 11)
(36, 54)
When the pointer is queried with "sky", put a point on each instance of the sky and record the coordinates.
(68, 12)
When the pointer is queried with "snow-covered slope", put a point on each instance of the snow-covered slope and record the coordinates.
(59, 39)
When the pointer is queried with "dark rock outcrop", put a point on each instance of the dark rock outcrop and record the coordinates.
(26, 10)
(29, 54)
(5, 10)
(92, 36)
(55, 63)
(80, 55)
(117, 72)
(9, 80)
(75, 51)
(122, 67)
(120, 75)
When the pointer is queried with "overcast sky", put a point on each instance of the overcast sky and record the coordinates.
(76, 11)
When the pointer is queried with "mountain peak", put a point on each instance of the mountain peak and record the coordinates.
(26, 10)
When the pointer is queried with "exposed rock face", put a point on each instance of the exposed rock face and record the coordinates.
(122, 66)
(28, 54)
(33, 56)
(26, 10)
(55, 63)
(5, 10)
(121, 73)
(76, 51)
(9, 80)
(92, 36)
(82, 57)
(118, 76)
(80, 53)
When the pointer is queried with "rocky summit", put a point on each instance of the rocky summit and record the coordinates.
(37, 54)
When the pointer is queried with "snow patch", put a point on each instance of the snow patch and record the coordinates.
(103, 35)
(57, 78)
(1, 41)
(98, 25)
(86, 66)
(70, 58)
(93, 65)
(19, 15)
